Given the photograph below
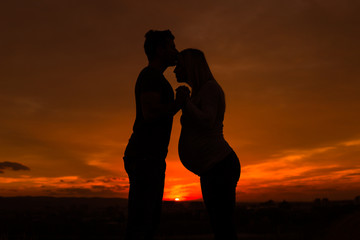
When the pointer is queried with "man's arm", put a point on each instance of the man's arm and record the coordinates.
(153, 108)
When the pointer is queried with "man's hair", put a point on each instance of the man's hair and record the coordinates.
(154, 39)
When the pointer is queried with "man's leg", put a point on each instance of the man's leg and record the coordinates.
(145, 199)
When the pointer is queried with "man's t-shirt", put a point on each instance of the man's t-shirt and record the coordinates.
(150, 138)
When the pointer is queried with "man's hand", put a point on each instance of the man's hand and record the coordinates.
(182, 95)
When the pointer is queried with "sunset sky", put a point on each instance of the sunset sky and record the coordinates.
(289, 69)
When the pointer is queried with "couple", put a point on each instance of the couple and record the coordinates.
(202, 147)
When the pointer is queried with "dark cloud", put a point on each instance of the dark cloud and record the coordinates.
(353, 174)
(299, 193)
(94, 191)
(113, 179)
(113, 189)
(12, 166)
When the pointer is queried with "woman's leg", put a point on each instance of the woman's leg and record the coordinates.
(219, 193)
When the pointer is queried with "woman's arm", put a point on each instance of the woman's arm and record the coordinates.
(205, 112)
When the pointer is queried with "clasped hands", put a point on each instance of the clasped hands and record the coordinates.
(182, 95)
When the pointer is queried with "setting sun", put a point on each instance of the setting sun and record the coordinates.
(177, 199)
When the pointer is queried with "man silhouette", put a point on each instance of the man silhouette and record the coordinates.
(145, 154)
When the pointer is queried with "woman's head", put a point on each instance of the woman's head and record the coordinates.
(192, 68)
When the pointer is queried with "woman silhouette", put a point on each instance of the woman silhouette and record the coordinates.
(202, 147)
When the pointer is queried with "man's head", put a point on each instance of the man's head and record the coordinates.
(160, 45)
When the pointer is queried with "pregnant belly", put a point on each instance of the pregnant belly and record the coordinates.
(196, 153)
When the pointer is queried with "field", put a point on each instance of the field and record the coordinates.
(103, 218)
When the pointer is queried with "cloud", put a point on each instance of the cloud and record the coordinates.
(93, 191)
(66, 186)
(97, 187)
(330, 171)
(13, 166)
(352, 143)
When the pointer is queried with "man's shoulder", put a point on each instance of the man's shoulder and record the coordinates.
(149, 74)
(150, 80)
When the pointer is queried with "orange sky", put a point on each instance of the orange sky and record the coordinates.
(289, 69)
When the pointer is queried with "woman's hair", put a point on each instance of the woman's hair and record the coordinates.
(196, 66)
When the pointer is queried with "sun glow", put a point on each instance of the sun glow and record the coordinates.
(177, 199)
